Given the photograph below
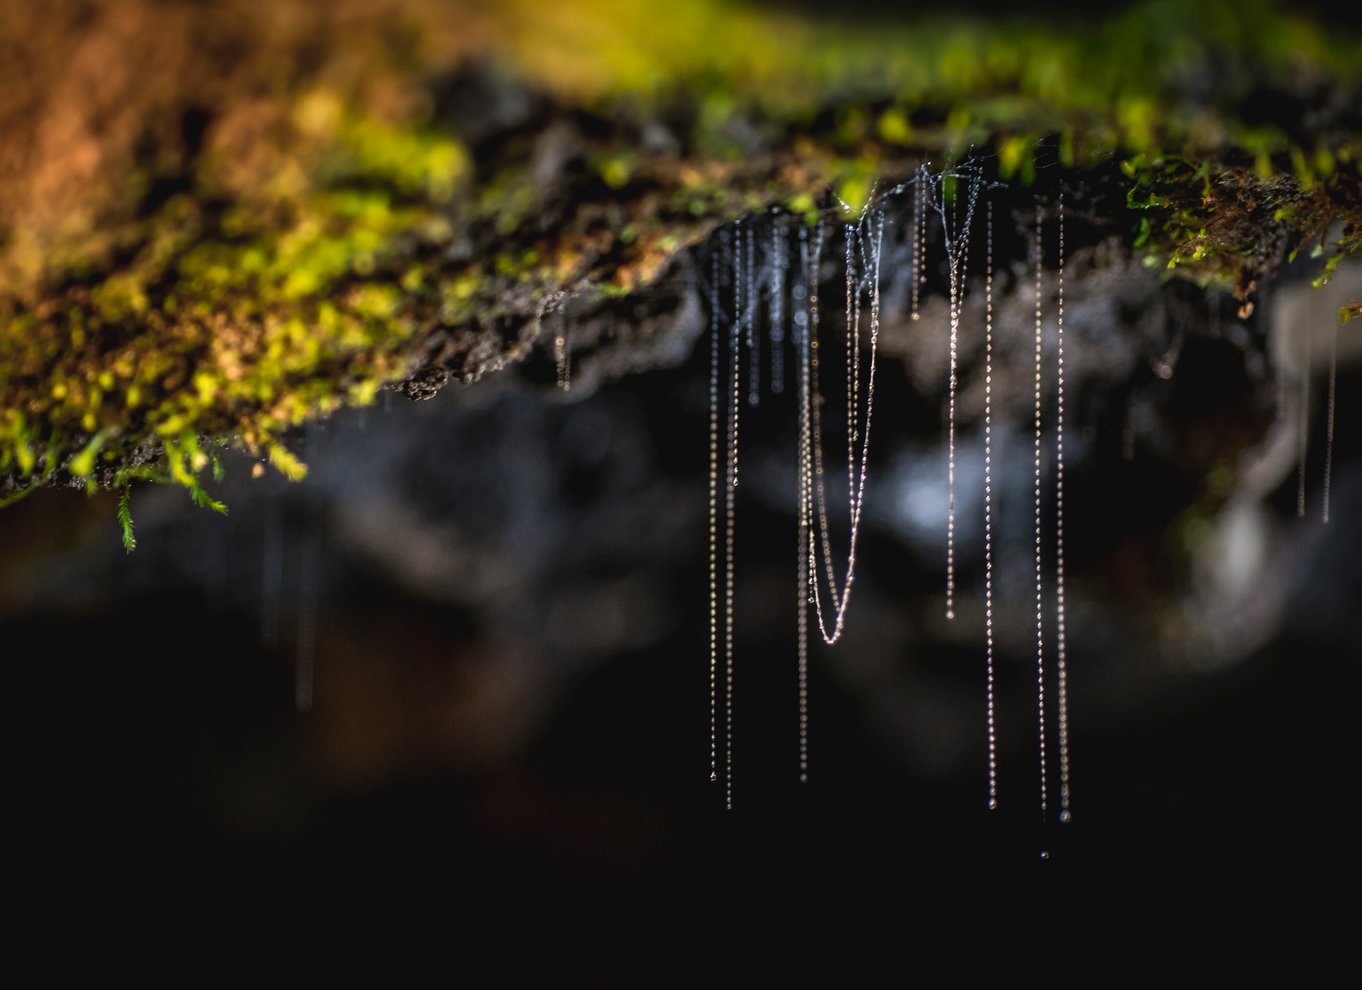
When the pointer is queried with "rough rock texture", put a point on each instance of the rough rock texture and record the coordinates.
(218, 222)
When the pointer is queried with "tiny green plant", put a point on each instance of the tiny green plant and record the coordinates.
(125, 519)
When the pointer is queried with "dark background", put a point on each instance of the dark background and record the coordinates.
(511, 648)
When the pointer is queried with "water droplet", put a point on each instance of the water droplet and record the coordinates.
(777, 305)
(714, 515)
(802, 562)
(1303, 423)
(990, 702)
(870, 241)
(749, 318)
(1040, 601)
(957, 264)
(1329, 422)
(919, 274)
(562, 352)
(1061, 635)
(730, 507)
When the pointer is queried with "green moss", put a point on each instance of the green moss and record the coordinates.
(243, 320)
(1229, 225)
(245, 306)
(125, 519)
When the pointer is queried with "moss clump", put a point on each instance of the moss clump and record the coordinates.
(238, 319)
(350, 221)
(1232, 224)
